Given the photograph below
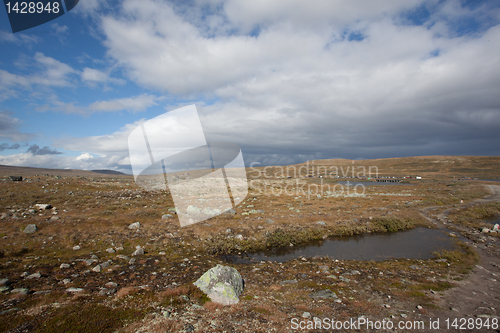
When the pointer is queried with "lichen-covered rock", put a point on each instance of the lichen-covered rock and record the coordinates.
(222, 284)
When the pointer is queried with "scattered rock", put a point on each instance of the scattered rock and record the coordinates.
(64, 266)
(269, 221)
(74, 290)
(76, 247)
(16, 178)
(240, 237)
(230, 212)
(89, 262)
(105, 264)
(442, 260)
(134, 226)
(121, 256)
(21, 291)
(288, 282)
(321, 223)
(30, 228)
(43, 206)
(36, 275)
(111, 285)
(66, 281)
(222, 284)
(4, 282)
(324, 294)
(138, 252)
(4, 289)
(306, 315)
(110, 250)
(97, 268)
(166, 216)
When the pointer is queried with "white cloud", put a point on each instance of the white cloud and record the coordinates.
(137, 103)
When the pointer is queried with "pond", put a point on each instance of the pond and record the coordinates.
(418, 243)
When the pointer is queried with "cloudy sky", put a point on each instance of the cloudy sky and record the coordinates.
(286, 80)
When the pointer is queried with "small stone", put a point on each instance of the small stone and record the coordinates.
(54, 218)
(105, 264)
(240, 237)
(230, 212)
(97, 268)
(403, 315)
(30, 228)
(288, 282)
(74, 290)
(442, 260)
(111, 285)
(166, 216)
(306, 315)
(324, 294)
(321, 223)
(5, 289)
(138, 252)
(419, 307)
(110, 250)
(4, 282)
(121, 256)
(269, 221)
(134, 226)
(43, 206)
(89, 262)
(22, 291)
(36, 275)
(76, 247)
(65, 266)
(66, 281)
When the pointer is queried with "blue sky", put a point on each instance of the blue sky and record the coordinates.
(288, 81)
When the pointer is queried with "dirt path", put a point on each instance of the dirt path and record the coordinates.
(477, 297)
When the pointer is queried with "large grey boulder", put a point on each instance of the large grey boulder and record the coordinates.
(222, 284)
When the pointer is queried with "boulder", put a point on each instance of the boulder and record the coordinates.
(222, 284)
(16, 178)
(30, 228)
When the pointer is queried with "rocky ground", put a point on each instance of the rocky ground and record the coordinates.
(89, 266)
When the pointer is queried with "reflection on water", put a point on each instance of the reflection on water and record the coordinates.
(419, 243)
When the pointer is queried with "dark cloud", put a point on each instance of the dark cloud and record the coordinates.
(5, 146)
(36, 150)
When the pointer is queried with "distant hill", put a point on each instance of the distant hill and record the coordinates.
(9, 170)
(109, 172)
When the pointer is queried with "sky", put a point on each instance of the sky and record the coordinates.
(286, 80)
